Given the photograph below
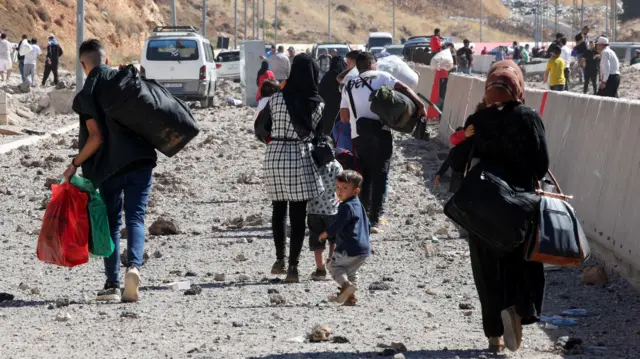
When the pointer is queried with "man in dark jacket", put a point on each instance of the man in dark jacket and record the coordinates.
(117, 161)
(54, 51)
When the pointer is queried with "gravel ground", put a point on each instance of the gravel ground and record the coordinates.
(217, 179)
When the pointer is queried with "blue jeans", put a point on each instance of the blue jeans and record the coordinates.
(21, 68)
(136, 187)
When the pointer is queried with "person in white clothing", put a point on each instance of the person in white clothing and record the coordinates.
(372, 141)
(30, 61)
(280, 65)
(566, 56)
(6, 63)
(609, 69)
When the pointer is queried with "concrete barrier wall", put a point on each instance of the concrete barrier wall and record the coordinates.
(594, 147)
(427, 75)
(482, 63)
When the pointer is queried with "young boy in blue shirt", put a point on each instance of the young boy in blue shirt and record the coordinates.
(351, 230)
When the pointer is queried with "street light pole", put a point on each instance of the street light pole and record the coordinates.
(235, 24)
(264, 26)
(481, 19)
(275, 32)
(394, 20)
(582, 15)
(245, 20)
(79, 39)
(329, 17)
(174, 17)
(204, 18)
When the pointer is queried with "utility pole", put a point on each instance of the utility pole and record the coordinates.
(204, 18)
(329, 17)
(582, 15)
(235, 24)
(245, 20)
(556, 22)
(614, 19)
(275, 32)
(606, 17)
(79, 39)
(173, 13)
(253, 19)
(264, 26)
(481, 19)
(256, 19)
(394, 20)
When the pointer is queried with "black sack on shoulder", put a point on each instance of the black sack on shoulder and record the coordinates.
(499, 215)
(395, 109)
(149, 110)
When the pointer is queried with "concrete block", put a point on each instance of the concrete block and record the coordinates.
(62, 101)
(3, 119)
(455, 105)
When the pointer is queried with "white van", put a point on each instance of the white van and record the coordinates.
(182, 61)
(379, 39)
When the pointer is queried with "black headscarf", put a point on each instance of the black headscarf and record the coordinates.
(301, 93)
(329, 89)
(264, 68)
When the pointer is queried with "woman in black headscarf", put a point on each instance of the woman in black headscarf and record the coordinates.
(329, 90)
(263, 74)
(291, 177)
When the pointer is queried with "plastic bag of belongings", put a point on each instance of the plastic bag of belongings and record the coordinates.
(442, 60)
(399, 69)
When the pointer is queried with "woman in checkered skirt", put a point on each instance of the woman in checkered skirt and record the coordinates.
(291, 176)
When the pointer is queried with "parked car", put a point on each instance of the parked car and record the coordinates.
(343, 49)
(376, 51)
(416, 49)
(182, 61)
(228, 64)
(395, 50)
(379, 39)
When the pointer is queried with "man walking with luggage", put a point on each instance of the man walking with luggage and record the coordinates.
(54, 51)
(609, 69)
(120, 163)
(372, 141)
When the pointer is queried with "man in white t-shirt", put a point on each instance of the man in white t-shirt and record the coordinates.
(30, 61)
(372, 142)
(5, 57)
(566, 56)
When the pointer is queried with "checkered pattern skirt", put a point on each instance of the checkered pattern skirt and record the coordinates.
(290, 172)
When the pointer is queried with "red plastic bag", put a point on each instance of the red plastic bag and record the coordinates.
(64, 236)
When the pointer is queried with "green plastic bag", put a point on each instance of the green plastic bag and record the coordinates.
(100, 242)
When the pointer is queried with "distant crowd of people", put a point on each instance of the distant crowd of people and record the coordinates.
(26, 53)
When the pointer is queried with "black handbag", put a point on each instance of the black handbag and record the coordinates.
(491, 210)
(322, 153)
(263, 125)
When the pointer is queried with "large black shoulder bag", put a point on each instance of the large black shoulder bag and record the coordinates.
(395, 109)
(263, 125)
(498, 214)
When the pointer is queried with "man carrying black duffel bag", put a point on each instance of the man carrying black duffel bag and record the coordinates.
(117, 161)
(372, 142)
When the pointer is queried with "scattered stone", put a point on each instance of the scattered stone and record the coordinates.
(194, 290)
(596, 275)
(254, 220)
(277, 299)
(237, 324)
(235, 223)
(35, 291)
(399, 347)
(466, 306)
(249, 178)
(124, 258)
(191, 274)
(388, 352)
(399, 356)
(51, 306)
(413, 168)
(443, 231)
(241, 258)
(379, 286)
(123, 233)
(62, 302)
(23, 88)
(242, 241)
(157, 254)
(129, 315)
(220, 277)
(244, 278)
(45, 201)
(50, 181)
(568, 343)
(339, 339)
(429, 249)
(320, 333)
(468, 313)
(23, 286)
(63, 317)
(164, 226)
(272, 291)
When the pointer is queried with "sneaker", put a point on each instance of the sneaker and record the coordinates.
(279, 267)
(512, 328)
(351, 301)
(292, 275)
(496, 345)
(110, 293)
(346, 292)
(131, 285)
(319, 274)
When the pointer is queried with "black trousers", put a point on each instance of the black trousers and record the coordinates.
(374, 153)
(611, 88)
(567, 76)
(591, 77)
(297, 217)
(505, 281)
(48, 69)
